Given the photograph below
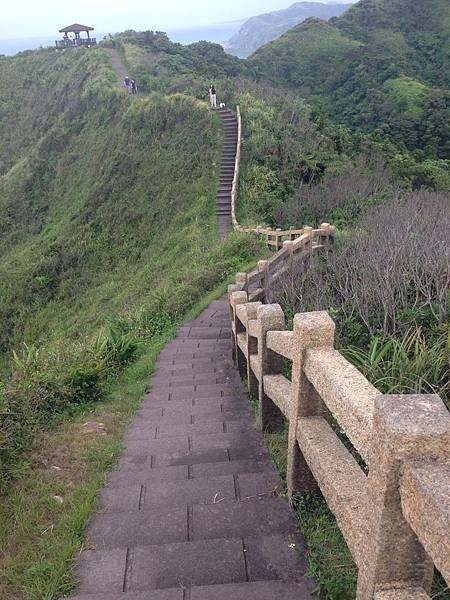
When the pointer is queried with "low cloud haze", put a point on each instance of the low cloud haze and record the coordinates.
(28, 18)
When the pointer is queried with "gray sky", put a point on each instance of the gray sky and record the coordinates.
(28, 18)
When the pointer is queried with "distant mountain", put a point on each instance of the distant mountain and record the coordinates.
(262, 29)
(383, 65)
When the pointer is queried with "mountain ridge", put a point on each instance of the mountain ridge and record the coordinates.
(261, 29)
(380, 66)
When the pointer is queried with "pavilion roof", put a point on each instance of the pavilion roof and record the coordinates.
(76, 28)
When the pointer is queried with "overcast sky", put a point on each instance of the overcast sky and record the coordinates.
(27, 18)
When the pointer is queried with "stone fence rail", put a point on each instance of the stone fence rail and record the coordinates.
(274, 237)
(381, 461)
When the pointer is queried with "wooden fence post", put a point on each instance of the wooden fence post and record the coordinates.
(311, 330)
(404, 428)
(270, 317)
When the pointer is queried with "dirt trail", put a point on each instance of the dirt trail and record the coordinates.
(117, 63)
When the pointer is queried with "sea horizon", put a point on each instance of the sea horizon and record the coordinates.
(218, 33)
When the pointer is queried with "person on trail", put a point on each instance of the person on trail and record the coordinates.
(134, 89)
(127, 84)
(213, 96)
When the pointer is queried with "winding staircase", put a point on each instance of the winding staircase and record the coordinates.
(223, 208)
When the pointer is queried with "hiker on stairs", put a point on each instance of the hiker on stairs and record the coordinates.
(213, 96)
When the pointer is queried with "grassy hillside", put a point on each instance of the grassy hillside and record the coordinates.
(382, 66)
(108, 235)
(108, 239)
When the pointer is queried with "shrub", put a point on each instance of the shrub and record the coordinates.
(115, 345)
(391, 272)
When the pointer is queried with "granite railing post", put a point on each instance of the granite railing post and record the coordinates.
(234, 287)
(308, 246)
(405, 428)
(291, 235)
(237, 327)
(263, 268)
(270, 317)
(289, 246)
(308, 231)
(279, 239)
(311, 330)
(252, 348)
(324, 237)
(241, 280)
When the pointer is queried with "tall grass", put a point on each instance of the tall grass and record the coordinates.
(412, 364)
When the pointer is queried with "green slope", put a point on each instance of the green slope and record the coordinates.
(101, 195)
(108, 224)
(356, 64)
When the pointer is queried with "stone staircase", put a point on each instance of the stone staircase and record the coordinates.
(195, 510)
(223, 206)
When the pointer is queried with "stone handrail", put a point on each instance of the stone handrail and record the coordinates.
(237, 164)
(274, 237)
(259, 281)
(396, 518)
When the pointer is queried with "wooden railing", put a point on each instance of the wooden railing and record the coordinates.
(396, 518)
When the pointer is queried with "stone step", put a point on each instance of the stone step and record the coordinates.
(190, 564)
(124, 477)
(144, 446)
(143, 463)
(258, 590)
(163, 381)
(146, 496)
(252, 518)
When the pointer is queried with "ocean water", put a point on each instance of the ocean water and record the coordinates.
(219, 33)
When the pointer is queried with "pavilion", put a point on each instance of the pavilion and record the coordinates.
(77, 40)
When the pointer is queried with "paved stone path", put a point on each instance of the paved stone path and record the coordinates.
(223, 205)
(192, 512)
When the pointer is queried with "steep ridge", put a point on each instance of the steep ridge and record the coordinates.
(261, 29)
(223, 208)
(193, 510)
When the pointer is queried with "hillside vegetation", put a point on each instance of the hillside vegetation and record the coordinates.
(260, 30)
(108, 233)
(108, 238)
(382, 66)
